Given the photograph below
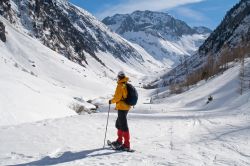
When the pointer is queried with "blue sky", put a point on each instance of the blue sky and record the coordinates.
(207, 13)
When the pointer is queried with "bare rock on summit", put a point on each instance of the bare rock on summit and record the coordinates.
(2, 32)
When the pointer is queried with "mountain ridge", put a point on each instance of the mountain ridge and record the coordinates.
(166, 38)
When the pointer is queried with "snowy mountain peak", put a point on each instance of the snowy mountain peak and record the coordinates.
(166, 38)
(148, 21)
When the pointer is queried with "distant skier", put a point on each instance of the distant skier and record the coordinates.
(122, 108)
(209, 99)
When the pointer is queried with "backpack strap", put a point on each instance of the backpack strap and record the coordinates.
(124, 86)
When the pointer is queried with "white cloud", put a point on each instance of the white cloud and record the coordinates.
(186, 12)
(132, 5)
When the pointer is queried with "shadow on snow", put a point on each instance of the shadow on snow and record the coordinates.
(70, 156)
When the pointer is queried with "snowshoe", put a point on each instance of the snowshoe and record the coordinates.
(114, 145)
(126, 149)
(118, 146)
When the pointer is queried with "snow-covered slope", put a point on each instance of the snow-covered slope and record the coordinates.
(224, 88)
(179, 130)
(164, 37)
(37, 83)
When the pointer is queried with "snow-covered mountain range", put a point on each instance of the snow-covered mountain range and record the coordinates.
(233, 32)
(74, 33)
(166, 38)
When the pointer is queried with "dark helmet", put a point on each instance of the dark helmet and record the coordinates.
(121, 75)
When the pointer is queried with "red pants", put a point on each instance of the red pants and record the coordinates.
(122, 126)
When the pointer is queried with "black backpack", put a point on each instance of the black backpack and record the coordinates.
(132, 95)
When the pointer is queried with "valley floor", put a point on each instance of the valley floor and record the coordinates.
(172, 138)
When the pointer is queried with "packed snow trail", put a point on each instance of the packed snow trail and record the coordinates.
(161, 139)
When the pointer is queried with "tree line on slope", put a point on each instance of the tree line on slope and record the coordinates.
(217, 65)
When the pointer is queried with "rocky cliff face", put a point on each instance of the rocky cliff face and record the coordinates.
(2, 32)
(234, 27)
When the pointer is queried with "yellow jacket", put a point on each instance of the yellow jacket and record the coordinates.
(120, 94)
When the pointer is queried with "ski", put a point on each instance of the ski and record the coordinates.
(109, 143)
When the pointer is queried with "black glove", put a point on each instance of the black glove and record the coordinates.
(109, 101)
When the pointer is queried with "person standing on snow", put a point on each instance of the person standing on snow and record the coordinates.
(122, 109)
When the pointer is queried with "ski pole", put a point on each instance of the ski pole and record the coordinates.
(106, 127)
